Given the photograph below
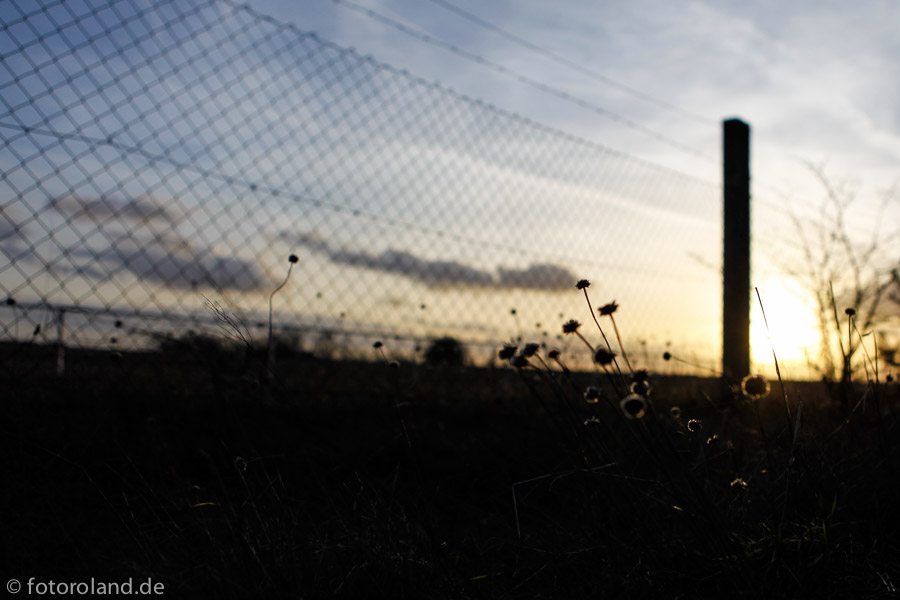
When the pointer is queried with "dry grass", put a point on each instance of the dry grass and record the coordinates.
(146, 466)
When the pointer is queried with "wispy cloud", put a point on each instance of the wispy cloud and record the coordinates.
(162, 256)
(439, 273)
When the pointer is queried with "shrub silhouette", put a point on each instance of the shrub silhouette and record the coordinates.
(445, 351)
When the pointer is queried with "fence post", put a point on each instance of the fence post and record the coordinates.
(736, 260)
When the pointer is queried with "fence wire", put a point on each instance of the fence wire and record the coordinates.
(162, 157)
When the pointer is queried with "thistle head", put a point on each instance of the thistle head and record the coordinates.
(641, 388)
(608, 309)
(507, 351)
(530, 349)
(570, 326)
(633, 406)
(519, 361)
(604, 357)
(592, 395)
(755, 387)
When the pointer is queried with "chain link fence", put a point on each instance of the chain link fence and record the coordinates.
(160, 159)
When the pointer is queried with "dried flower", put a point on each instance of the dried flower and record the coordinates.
(591, 421)
(592, 395)
(293, 259)
(571, 326)
(694, 425)
(554, 355)
(240, 463)
(530, 349)
(10, 302)
(583, 284)
(712, 439)
(640, 375)
(642, 388)
(633, 406)
(755, 387)
(850, 311)
(603, 357)
(675, 412)
(519, 361)
(738, 483)
(507, 351)
(377, 344)
(667, 355)
(608, 309)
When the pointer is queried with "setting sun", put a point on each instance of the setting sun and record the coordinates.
(792, 328)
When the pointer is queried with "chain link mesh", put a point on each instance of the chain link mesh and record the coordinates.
(161, 156)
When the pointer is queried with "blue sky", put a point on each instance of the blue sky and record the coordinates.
(813, 78)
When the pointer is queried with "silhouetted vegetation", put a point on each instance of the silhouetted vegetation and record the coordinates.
(367, 480)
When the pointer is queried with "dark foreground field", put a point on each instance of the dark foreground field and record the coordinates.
(359, 480)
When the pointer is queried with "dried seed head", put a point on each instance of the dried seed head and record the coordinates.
(530, 349)
(592, 395)
(634, 406)
(293, 259)
(553, 354)
(712, 439)
(10, 302)
(667, 355)
(583, 284)
(591, 421)
(377, 344)
(755, 387)
(694, 425)
(642, 388)
(850, 311)
(739, 483)
(507, 351)
(608, 309)
(571, 326)
(603, 357)
(240, 463)
(675, 412)
(519, 361)
(641, 375)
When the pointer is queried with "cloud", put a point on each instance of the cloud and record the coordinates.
(167, 258)
(173, 267)
(440, 273)
(144, 209)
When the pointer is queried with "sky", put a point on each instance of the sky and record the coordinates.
(813, 79)
(451, 185)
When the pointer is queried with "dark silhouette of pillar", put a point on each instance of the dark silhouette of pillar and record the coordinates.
(736, 262)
